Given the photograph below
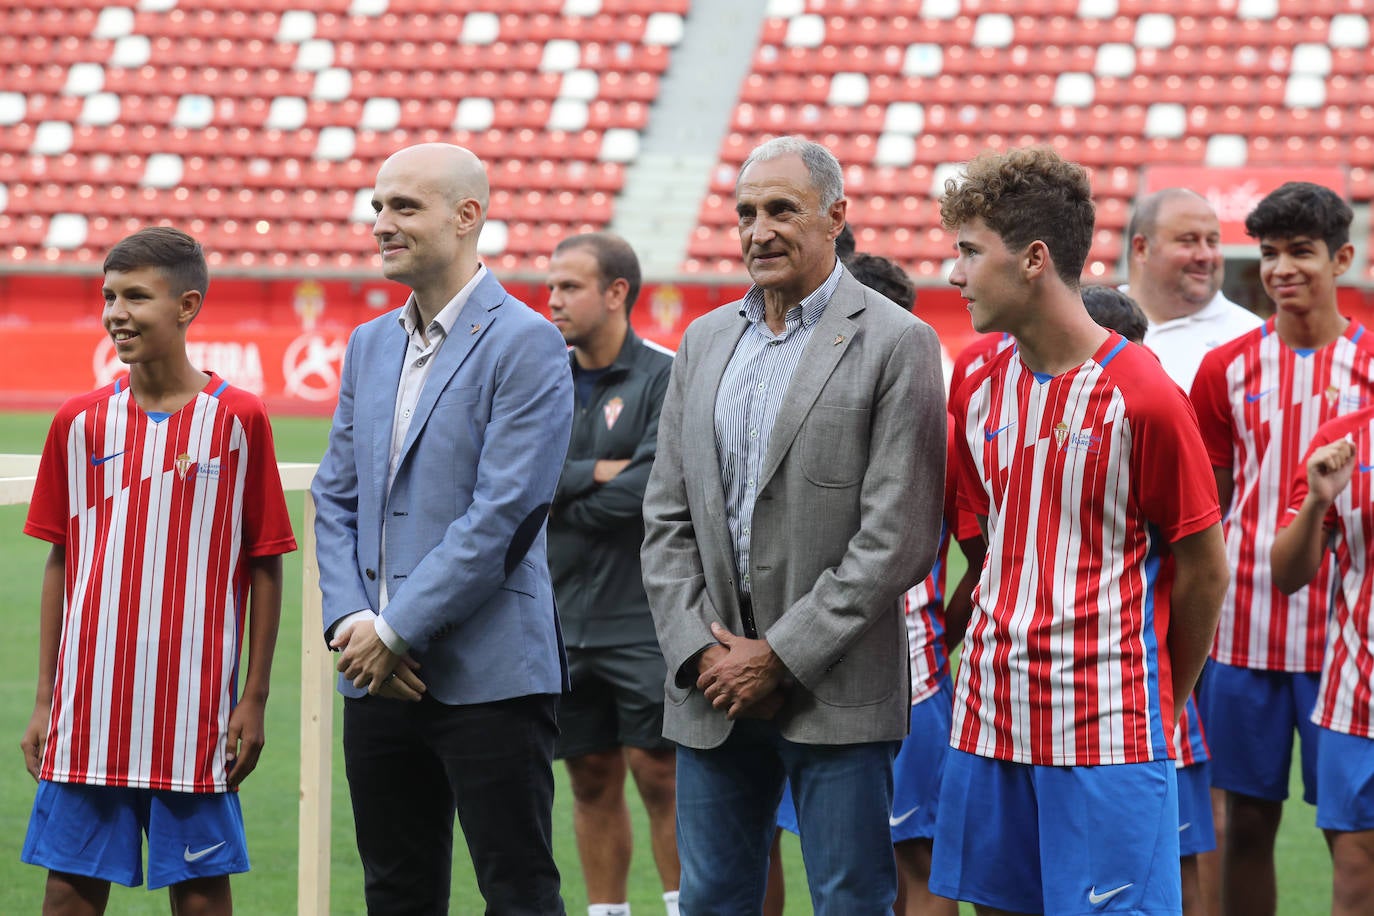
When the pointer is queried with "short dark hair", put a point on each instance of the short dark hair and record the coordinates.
(615, 260)
(176, 254)
(1024, 195)
(1301, 208)
(883, 275)
(844, 244)
(1116, 311)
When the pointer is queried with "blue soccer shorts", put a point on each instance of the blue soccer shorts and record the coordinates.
(1345, 782)
(97, 832)
(1196, 831)
(1062, 840)
(1251, 716)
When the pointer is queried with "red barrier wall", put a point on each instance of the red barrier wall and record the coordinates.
(284, 339)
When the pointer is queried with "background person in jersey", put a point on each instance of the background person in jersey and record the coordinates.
(161, 498)
(1113, 309)
(795, 497)
(1175, 269)
(453, 418)
(1332, 504)
(1259, 400)
(917, 769)
(1099, 595)
(612, 718)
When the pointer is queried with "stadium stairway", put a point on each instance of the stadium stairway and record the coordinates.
(664, 188)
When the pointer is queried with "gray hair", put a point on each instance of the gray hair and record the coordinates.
(826, 175)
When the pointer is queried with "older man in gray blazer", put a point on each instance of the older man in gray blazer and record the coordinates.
(796, 495)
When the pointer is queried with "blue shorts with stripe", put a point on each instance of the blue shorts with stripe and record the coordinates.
(97, 832)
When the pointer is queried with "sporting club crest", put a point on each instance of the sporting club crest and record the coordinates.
(612, 411)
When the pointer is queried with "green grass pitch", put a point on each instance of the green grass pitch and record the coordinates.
(270, 794)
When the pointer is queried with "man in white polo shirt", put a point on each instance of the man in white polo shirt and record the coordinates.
(1175, 268)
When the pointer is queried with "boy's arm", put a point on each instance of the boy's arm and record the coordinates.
(1301, 540)
(959, 608)
(246, 734)
(1201, 577)
(1226, 488)
(49, 637)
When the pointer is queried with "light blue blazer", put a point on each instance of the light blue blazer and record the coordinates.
(468, 579)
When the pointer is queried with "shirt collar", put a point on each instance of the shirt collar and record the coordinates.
(811, 306)
(409, 319)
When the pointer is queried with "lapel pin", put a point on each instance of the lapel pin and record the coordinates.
(475, 329)
(839, 339)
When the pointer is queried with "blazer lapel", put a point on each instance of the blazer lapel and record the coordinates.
(474, 321)
(833, 334)
(699, 425)
(383, 405)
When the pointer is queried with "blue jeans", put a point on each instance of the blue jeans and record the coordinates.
(727, 801)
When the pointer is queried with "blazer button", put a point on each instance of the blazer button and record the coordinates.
(372, 574)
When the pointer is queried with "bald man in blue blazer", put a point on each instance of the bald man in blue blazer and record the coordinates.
(453, 419)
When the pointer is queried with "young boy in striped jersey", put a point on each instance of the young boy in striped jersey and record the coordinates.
(1333, 497)
(1104, 575)
(161, 498)
(1259, 400)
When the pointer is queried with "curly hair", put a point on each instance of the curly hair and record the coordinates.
(1301, 208)
(1024, 195)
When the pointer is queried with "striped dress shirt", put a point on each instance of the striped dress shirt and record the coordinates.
(751, 391)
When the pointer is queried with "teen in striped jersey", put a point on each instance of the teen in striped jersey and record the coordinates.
(161, 498)
(1099, 596)
(1333, 496)
(1259, 401)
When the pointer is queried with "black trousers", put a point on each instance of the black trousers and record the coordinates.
(411, 766)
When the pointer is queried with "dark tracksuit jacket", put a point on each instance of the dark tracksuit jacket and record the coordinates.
(595, 531)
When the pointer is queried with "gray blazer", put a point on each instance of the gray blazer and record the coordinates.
(847, 518)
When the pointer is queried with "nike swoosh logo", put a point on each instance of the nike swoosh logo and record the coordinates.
(1366, 468)
(990, 434)
(1095, 898)
(190, 856)
(1252, 398)
(896, 821)
(97, 462)
(1183, 827)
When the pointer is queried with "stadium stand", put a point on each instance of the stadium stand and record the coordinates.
(260, 123)
(903, 91)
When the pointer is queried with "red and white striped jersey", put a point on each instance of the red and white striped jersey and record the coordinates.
(1066, 659)
(1259, 402)
(158, 519)
(976, 355)
(1347, 685)
(1190, 742)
